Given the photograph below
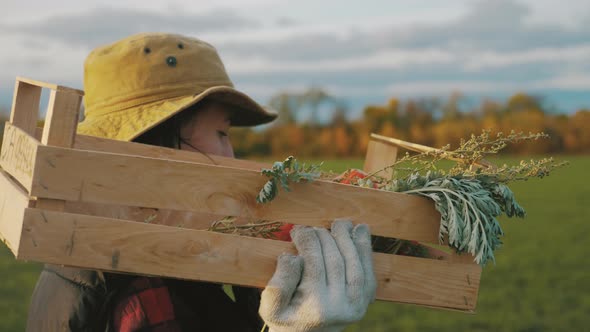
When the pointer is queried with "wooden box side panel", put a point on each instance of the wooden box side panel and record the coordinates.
(107, 178)
(13, 202)
(25, 105)
(18, 154)
(56, 175)
(115, 245)
(100, 144)
(83, 142)
(184, 219)
(380, 155)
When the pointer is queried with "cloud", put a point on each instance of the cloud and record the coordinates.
(385, 59)
(53, 62)
(445, 87)
(286, 22)
(491, 60)
(568, 81)
(498, 25)
(492, 46)
(402, 59)
(104, 25)
(442, 88)
(491, 49)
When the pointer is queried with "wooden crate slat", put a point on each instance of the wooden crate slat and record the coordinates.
(108, 178)
(199, 221)
(421, 148)
(61, 119)
(59, 130)
(379, 155)
(93, 143)
(13, 201)
(185, 219)
(17, 157)
(84, 142)
(116, 245)
(51, 86)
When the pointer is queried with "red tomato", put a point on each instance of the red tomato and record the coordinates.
(352, 176)
(283, 234)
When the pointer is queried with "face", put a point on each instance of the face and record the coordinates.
(207, 131)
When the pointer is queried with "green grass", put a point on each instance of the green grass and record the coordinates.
(17, 280)
(541, 281)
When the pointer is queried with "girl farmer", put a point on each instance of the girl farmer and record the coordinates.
(173, 91)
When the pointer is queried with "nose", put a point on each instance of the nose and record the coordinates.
(171, 61)
(228, 151)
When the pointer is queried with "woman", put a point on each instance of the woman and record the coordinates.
(173, 91)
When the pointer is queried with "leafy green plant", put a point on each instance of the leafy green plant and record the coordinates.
(282, 174)
(470, 196)
(468, 209)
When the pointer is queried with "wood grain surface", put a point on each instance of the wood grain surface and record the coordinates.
(13, 201)
(83, 142)
(109, 178)
(18, 154)
(25, 106)
(116, 245)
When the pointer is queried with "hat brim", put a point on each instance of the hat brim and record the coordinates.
(132, 122)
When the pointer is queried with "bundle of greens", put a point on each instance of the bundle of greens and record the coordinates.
(283, 173)
(470, 196)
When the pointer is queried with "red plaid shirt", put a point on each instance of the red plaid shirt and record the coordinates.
(168, 305)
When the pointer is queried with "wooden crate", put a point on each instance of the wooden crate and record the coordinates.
(125, 207)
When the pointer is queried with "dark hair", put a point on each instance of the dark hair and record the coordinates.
(167, 133)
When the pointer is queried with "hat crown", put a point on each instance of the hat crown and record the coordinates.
(149, 67)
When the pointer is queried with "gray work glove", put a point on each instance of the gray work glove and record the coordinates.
(328, 286)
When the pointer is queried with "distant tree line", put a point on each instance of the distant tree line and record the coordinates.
(427, 121)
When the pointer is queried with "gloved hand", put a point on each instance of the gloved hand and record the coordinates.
(327, 286)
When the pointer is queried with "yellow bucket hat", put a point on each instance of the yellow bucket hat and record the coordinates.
(138, 82)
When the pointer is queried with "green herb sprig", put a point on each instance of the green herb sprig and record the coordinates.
(469, 209)
(470, 196)
(282, 174)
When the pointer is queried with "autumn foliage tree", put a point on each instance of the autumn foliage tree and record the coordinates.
(427, 121)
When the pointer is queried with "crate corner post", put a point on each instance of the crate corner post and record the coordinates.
(61, 122)
(19, 154)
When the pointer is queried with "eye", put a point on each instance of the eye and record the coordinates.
(147, 50)
(180, 46)
(222, 133)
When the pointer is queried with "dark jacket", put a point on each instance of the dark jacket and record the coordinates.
(68, 299)
(71, 299)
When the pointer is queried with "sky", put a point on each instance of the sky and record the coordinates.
(362, 52)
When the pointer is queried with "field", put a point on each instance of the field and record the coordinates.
(541, 281)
